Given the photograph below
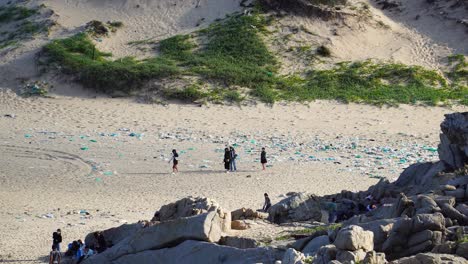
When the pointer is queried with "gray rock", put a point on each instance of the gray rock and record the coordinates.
(204, 227)
(431, 258)
(380, 229)
(373, 257)
(454, 140)
(353, 237)
(344, 256)
(296, 208)
(448, 247)
(315, 244)
(426, 205)
(462, 250)
(190, 252)
(116, 234)
(238, 242)
(293, 257)
(325, 254)
(454, 214)
(462, 208)
(419, 237)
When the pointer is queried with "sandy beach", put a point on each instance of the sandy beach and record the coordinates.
(65, 156)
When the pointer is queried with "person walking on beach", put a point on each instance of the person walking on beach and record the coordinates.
(55, 257)
(232, 160)
(57, 239)
(175, 161)
(267, 204)
(227, 159)
(263, 159)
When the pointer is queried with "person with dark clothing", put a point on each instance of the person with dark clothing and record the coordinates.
(232, 160)
(263, 158)
(227, 159)
(57, 239)
(332, 211)
(55, 257)
(101, 242)
(267, 204)
(175, 161)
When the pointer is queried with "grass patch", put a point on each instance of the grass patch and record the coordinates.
(15, 13)
(233, 54)
(78, 55)
(374, 83)
(190, 93)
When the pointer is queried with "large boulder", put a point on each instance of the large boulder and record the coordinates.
(293, 257)
(238, 242)
(325, 254)
(421, 178)
(315, 244)
(191, 206)
(296, 208)
(380, 229)
(344, 256)
(430, 258)
(200, 252)
(116, 234)
(204, 227)
(462, 250)
(353, 238)
(453, 147)
(247, 213)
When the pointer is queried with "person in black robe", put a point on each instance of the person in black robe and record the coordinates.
(227, 159)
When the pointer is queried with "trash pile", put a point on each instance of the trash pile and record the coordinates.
(37, 88)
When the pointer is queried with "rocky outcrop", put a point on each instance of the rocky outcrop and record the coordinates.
(431, 258)
(293, 257)
(191, 206)
(238, 242)
(115, 235)
(315, 244)
(247, 213)
(204, 227)
(453, 147)
(200, 252)
(353, 238)
(410, 236)
(296, 208)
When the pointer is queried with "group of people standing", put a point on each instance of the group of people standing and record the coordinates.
(230, 157)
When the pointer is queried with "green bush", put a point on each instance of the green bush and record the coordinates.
(190, 93)
(15, 13)
(78, 55)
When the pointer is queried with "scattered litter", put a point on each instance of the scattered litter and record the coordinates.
(84, 148)
(28, 136)
(10, 115)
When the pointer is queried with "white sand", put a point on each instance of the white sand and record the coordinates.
(43, 169)
(47, 171)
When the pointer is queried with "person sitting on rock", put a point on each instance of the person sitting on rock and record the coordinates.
(101, 242)
(267, 204)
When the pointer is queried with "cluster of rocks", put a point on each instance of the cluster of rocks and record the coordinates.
(422, 218)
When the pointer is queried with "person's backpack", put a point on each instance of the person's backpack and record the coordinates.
(176, 155)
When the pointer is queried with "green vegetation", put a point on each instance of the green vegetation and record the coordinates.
(233, 54)
(15, 13)
(463, 239)
(190, 93)
(308, 231)
(21, 28)
(374, 83)
(78, 55)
